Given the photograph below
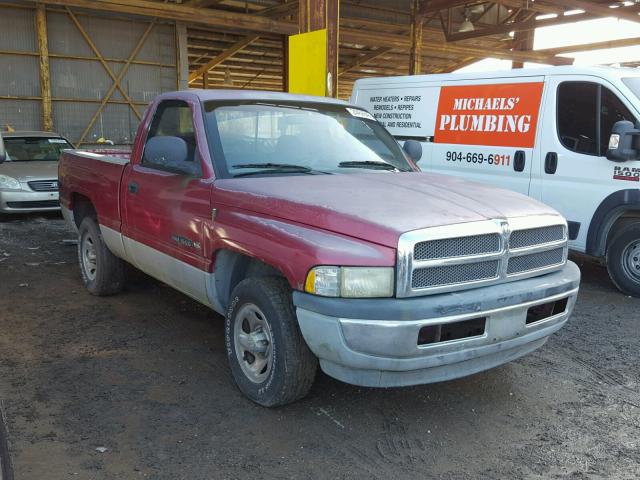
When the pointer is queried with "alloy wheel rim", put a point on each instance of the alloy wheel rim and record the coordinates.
(89, 257)
(253, 343)
(631, 260)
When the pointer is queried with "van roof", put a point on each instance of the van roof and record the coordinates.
(599, 71)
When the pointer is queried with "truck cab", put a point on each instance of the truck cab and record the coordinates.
(541, 132)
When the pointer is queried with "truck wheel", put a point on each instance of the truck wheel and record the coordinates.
(102, 272)
(269, 359)
(623, 259)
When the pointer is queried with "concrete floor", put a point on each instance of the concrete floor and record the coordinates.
(137, 386)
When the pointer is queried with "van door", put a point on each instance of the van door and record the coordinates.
(486, 131)
(575, 176)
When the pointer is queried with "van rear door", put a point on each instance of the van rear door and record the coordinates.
(485, 130)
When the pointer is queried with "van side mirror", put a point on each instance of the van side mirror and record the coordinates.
(413, 148)
(167, 153)
(3, 152)
(624, 142)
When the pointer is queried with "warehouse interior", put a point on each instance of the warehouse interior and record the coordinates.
(61, 69)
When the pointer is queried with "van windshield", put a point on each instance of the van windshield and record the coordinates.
(285, 138)
(633, 83)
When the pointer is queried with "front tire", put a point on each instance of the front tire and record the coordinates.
(102, 272)
(270, 361)
(623, 259)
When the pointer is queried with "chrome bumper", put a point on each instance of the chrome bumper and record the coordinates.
(24, 201)
(384, 352)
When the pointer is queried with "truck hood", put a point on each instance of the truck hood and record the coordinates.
(32, 170)
(376, 207)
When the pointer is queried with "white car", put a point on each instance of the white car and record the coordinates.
(542, 132)
(29, 172)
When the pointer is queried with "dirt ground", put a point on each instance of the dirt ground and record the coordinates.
(137, 386)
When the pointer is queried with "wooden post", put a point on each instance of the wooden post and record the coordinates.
(523, 41)
(415, 54)
(285, 63)
(205, 80)
(323, 14)
(45, 75)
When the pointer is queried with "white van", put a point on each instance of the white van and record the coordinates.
(542, 132)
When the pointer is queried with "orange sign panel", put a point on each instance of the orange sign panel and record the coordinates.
(501, 115)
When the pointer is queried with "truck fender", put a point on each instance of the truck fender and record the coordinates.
(608, 212)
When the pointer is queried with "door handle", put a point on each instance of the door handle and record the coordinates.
(519, 161)
(551, 163)
(133, 187)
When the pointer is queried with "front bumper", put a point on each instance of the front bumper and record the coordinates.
(375, 342)
(24, 201)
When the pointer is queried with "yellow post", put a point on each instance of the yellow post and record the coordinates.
(45, 76)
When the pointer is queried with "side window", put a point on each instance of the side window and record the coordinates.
(586, 114)
(173, 118)
(577, 116)
(612, 110)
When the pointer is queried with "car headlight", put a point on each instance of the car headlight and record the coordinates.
(9, 183)
(351, 282)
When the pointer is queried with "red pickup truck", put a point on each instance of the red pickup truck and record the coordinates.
(305, 224)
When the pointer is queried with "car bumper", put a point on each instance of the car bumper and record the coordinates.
(375, 342)
(24, 201)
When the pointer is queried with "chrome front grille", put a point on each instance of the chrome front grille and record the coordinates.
(536, 236)
(43, 185)
(457, 257)
(456, 247)
(453, 274)
(535, 261)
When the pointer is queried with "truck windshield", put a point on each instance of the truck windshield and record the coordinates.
(263, 138)
(34, 149)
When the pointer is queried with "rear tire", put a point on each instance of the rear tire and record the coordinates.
(269, 359)
(623, 259)
(102, 272)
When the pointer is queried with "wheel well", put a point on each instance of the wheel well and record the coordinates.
(627, 217)
(233, 267)
(82, 207)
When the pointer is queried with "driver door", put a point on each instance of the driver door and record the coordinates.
(574, 175)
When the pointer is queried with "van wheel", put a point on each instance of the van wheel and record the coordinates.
(269, 359)
(102, 272)
(623, 259)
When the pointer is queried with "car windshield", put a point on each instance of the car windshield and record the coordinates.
(33, 149)
(263, 138)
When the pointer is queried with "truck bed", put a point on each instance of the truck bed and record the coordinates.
(96, 176)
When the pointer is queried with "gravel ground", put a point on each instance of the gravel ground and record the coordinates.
(137, 386)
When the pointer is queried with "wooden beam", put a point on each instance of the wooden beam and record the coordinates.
(530, 24)
(218, 59)
(523, 41)
(624, 12)
(45, 75)
(586, 47)
(360, 61)
(256, 23)
(415, 53)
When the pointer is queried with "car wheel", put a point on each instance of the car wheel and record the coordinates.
(623, 259)
(269, 359)
(102, 272)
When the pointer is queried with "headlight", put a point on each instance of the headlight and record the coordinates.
(351, 282)
(9, 183)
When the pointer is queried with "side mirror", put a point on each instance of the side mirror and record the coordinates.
(624, 142)
(413, 148)
(3, 152)
(168, 152)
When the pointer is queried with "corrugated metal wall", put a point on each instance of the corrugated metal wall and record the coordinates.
(79, 82)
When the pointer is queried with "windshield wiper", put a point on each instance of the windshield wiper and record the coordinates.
(369, 164)
(269, 168)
